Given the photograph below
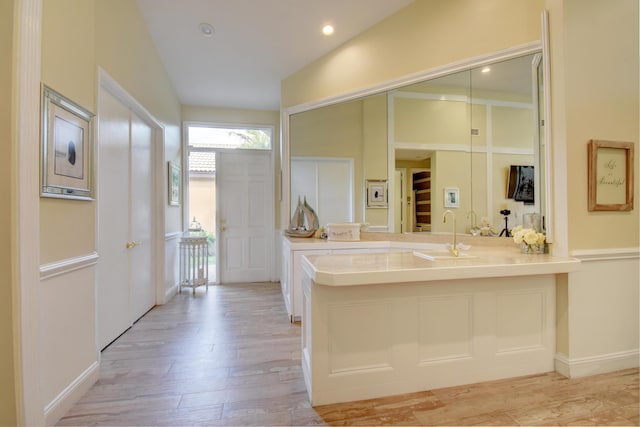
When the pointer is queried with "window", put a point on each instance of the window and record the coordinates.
(245, 137)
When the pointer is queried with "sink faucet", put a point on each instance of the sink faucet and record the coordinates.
(475, 230)
(454, 248)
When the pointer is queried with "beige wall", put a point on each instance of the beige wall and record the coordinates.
(594, 77)
(67, 228)
(193, 113)
(425, 34)
(597, 76)
(7, 365)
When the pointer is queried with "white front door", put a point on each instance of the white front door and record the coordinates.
(245, 216)
(125, 274)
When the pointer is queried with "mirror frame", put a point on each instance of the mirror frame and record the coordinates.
(464, 65)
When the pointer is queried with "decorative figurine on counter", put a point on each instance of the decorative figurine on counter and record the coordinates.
(304, 221)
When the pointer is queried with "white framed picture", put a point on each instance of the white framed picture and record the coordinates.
(377, 193)
(451, 197)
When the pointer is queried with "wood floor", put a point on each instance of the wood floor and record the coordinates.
(231, 357)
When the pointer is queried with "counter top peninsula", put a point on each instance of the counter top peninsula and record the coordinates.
(390, 321)
(405, 266)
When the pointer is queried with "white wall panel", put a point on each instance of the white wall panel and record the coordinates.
(327, 184)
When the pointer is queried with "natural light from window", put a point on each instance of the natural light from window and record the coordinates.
(224, 137)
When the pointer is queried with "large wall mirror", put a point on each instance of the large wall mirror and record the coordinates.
(461, 138)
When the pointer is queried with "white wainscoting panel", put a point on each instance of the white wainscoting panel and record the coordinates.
(437, 343)
(603, 313)
(360, 338)
(171, 264)
(527, 332)
(68, 332)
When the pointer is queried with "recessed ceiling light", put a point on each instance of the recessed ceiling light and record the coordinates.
(327, 30)
(486, 69)
(206, 29)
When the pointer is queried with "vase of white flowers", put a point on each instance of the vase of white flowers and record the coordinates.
(530, 241)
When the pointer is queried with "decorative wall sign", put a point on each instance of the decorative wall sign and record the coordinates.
(610, 176)
(377, 193)
(66, 148)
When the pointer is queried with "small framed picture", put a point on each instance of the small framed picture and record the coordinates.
(610, 170)
(377, 193)
(174, 184)
(66, 148)
(451, 197)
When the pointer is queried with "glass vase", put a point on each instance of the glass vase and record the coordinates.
(536, 248)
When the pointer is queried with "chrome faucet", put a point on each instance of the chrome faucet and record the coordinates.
(454, 249)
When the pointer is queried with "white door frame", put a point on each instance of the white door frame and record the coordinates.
(25, 221)
(106, 82)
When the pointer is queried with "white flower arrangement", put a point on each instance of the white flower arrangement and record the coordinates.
(527, 235)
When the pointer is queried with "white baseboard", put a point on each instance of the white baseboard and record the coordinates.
(171, 292)
(593, 365)
(71, 394)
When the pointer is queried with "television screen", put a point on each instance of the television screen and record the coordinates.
(520, 184)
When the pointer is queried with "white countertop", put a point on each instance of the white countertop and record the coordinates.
(398, 267)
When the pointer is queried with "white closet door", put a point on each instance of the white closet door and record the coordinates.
(113, 220)
(125, 219)
(142, 290)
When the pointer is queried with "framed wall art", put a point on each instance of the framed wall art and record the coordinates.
(451, 197)
(174, 184)
(66, 148)
(377, 193)
(610, 169)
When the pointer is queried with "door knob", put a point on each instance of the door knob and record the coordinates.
(130, 245)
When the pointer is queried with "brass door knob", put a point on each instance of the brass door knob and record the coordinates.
(130, 245)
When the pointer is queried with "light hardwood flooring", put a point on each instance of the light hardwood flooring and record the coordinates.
(230, 357)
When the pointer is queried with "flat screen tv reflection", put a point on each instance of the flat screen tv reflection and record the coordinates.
(520, 184)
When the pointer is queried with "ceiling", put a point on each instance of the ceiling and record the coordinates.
(255, 44)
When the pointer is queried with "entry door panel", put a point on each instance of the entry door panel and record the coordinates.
(245, 191)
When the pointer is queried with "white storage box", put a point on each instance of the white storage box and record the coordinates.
(343, 231)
